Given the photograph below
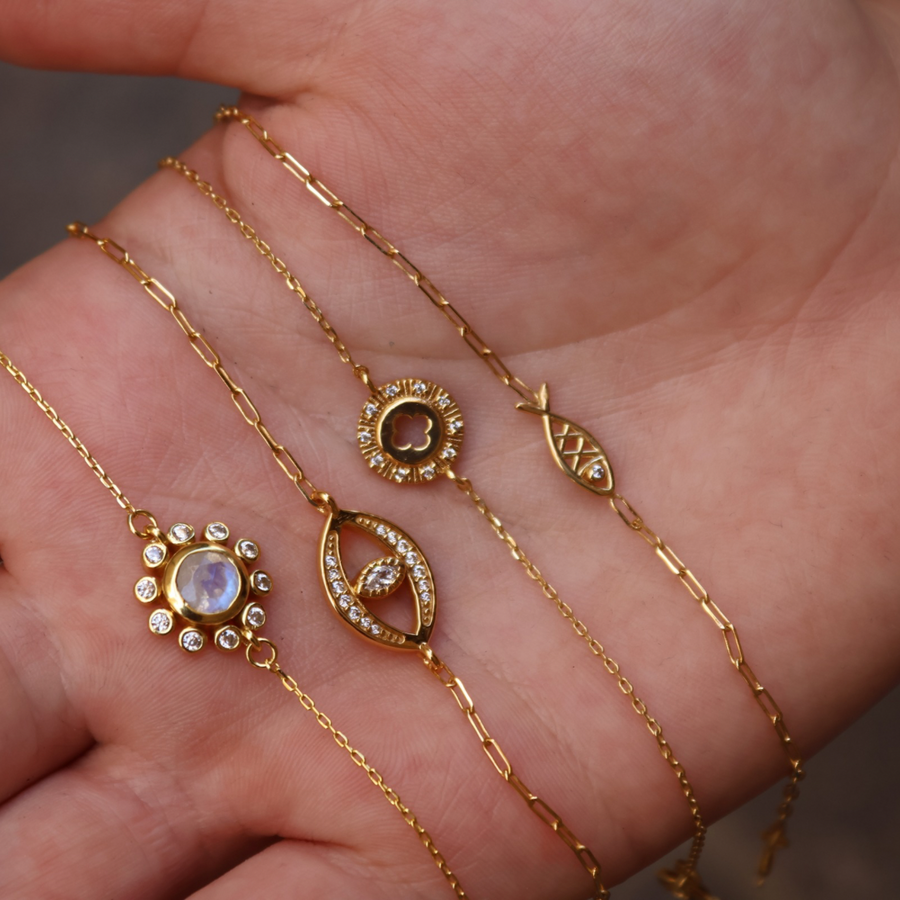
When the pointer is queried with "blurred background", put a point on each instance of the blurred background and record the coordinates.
(71, 146)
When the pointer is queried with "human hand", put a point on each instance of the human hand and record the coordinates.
(763, 351)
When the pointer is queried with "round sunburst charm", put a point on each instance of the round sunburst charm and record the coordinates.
(206, 586)
(400, 460)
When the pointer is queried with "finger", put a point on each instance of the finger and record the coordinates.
(324, 870)
(40, 727)
(209, 41)
(118, 820)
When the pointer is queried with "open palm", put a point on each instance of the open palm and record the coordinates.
(685, 220)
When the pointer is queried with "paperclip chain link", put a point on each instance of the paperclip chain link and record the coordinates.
(204, 350)
(501, 763)
(496, 365)
(774, 837)
(67, 433)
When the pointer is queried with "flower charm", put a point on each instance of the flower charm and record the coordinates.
(205, 585)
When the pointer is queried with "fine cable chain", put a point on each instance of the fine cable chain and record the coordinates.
(683, 881)
(325, 503)
(774, 837)
(253, 644)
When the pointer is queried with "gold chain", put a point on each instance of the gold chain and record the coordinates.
(245, 405)
(686, 884)
(326, 504)
(68, 434)
(205, 188)
(774, 835)
(498, 368)
(501, 763)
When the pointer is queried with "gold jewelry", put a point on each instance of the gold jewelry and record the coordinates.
(407, 464)
(404, 561)
(580, 456)
(207, 587)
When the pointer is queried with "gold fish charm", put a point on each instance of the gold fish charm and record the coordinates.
(576, 451)
(404, 561)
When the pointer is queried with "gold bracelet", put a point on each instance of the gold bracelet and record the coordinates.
(211, 593)
(407, 464)
(581, 457)
(350, 598)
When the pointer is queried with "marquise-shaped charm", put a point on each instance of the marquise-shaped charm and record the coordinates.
(402, 561)
(576, 451)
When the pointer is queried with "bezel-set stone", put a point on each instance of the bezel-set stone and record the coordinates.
(161, 621)
(247, 549)
(191, 640)
(155, 554)
(146, 589)
(180, 533)
(216, 531)
(228, 638)
(598, 472)
(254, 617)
(261, 582)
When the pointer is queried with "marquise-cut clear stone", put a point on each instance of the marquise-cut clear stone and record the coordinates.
(402, 546)
(412, 558)
(371, 409)
(598, 473)
(262, 582)
(192, 641)
(181, 533)
(161, 622)
(338, 587)
(209, 582)
(256, 617)
(366, 622)
(330, 560)
(376, 628)
(216, 531)
(247, 549)
(345, 601)
(380, 578)
(354, 613)
(228, 639)
(146, 588)
(392, 390)
(154, 554)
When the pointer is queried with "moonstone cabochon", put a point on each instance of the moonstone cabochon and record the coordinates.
(206, 583)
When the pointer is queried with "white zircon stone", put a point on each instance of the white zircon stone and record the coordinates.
(154, 554)
(216, 531)
(161, 622)
(192, 641)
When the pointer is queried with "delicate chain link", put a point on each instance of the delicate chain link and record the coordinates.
(501, 763)
(67, 433)
(774, 837)
(205, 188)
(242, 401)
(686, 883)
(496, 365)
(358, 758)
